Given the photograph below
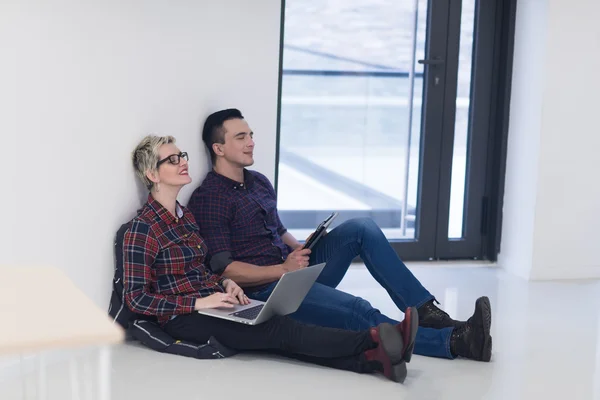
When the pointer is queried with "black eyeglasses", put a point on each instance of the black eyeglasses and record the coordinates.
(174, 159)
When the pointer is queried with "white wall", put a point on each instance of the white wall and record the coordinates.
(552, 200)
(524, 137)
(83, 81)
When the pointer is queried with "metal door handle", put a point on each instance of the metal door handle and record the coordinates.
(433, 61)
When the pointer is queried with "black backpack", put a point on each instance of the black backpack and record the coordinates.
(145, 328)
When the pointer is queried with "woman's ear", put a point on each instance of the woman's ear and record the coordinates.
(152, 176)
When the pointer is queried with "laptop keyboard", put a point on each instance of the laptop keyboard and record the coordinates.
(249, 313)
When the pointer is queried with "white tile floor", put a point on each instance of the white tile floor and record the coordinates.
(546, 346)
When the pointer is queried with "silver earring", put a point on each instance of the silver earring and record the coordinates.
(157, 187)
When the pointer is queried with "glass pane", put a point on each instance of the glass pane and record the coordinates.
(349, 79)
(461, 127)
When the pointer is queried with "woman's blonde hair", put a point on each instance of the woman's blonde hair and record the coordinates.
(145, 156)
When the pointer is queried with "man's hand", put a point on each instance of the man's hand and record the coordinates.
(297, 259)
(216, 300)
(234, 290)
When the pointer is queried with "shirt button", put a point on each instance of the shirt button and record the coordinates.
(199, 246)
(176, 219)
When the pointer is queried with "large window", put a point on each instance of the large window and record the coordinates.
(376, 118)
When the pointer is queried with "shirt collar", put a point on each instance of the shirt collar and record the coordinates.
(235, 185)
(163, 213)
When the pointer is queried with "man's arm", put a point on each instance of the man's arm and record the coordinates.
(246, 275)
(290, 240)
(287, 237)
(213, 215)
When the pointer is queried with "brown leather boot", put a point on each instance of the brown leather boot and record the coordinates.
(389, 351)
(408, 329)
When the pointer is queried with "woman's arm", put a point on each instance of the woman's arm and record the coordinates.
(140, 249)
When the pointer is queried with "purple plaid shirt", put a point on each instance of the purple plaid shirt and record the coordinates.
(163, 263)
(239, 221)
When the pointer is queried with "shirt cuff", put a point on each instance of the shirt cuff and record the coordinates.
(220, 261)
(188, 306)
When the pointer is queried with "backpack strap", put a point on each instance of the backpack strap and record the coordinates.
(151, 335)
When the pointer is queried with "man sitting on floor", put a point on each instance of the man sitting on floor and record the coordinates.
(236, 210)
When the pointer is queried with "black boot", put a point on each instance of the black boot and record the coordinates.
(430, 316)
(472, 339)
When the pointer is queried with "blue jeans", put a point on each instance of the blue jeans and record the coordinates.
(326, 306)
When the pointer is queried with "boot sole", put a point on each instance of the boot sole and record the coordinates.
(399, 372)
(414, 326)
(484, 306)
(392, 345)
(391, 342)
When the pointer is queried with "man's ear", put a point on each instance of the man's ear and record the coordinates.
(218, 149)
(153, 176)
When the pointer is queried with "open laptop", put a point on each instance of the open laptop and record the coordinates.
(285, 299)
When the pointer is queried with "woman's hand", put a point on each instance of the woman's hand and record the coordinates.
(216, 300)
(235, 291)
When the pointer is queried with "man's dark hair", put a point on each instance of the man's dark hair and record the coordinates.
(213, 131)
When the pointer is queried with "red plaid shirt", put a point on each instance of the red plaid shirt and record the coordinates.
(164, 269)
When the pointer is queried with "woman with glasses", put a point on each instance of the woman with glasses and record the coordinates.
(165, 276)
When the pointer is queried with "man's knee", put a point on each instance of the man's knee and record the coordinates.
(362, 306)
(362, 223)
(366, 227)
(364, 313)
